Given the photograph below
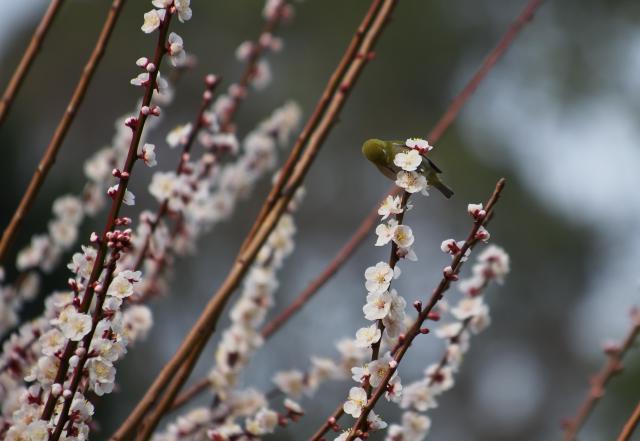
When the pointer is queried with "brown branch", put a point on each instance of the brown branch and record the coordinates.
(207, 322)
(50, 153)
(403, 344)
(599, 381)
(116, 204)
(329, 424)
(436, 133)
(630, 425)
(393, 261)
(315, 117)
(27, 58)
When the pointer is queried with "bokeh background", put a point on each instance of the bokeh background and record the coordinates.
(558, 117)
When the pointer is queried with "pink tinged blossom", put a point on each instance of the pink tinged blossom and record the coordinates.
(409, 161)
(450, 246)
(412, 182)
(128, 199)
(394, 389)
(497, 262)
(244, 50)
(419, 144)
(476, 211)
(390, 206)
(262, 75)
(482, 234)
(152, 20)
(440, 378)
(176, 49)
(356, 401)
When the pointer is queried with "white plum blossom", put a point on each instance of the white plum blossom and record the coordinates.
(403, 236)
(469, 307)
(375, 422)
(290, 382)
(390, 206)
(411, 182)
(73, 324)
(122, 286)
(101, 374)
(378, 305)
(152, 20)
(409, 161)
(356, 401)
(378, 278)
(179, 135)
(367, 336)
(385, 232)
(141, 80)
(419, 396)
(149, 155)
(263, 423)
(183, 9)
(378, 369)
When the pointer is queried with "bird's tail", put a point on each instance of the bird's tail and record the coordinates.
(442, 188)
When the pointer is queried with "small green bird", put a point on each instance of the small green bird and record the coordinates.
(382, 154)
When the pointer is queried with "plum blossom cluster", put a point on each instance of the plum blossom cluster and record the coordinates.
(46, 250)
(384, 306)
(87, 329)
(238, 343)
(469, 316)
(208, 192)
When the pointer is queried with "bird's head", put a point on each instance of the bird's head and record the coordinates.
(377, 151)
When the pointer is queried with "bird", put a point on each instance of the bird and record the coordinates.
(382, 154)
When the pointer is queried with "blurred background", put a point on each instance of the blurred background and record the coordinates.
(558, 117)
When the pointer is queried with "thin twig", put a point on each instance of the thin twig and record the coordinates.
(403, 344)
(630, 425)
(27, 58)
(207, 322)
(315, 117)
(599, 381)
(51, 152)
(251, 66)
